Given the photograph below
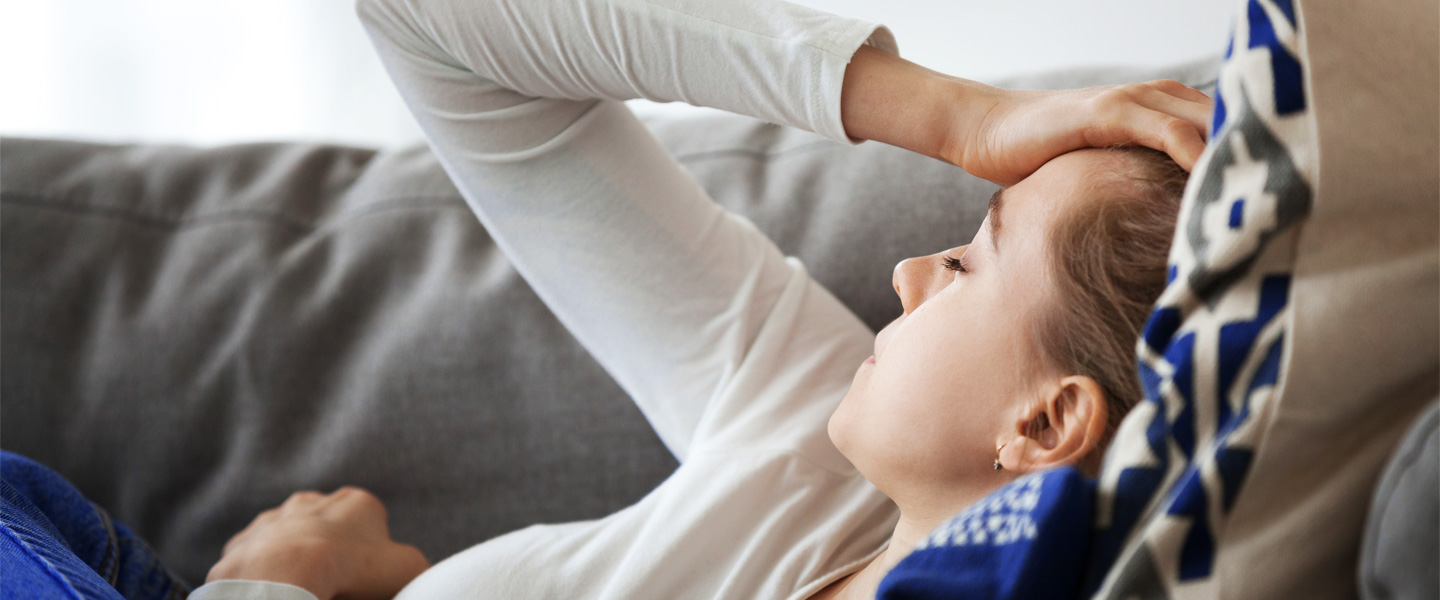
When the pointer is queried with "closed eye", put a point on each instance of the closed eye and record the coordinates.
(956, 264)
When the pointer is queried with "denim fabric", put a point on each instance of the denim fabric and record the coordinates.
(56, 544)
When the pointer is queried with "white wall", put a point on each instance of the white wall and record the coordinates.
(219, 71)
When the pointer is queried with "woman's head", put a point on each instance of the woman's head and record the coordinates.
(1023, 340)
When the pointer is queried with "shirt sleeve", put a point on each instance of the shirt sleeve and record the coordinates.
(520, 101)
(242, 589)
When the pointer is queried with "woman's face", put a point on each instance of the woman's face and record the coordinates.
(955, 375)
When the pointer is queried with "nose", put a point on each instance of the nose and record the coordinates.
(917, 279)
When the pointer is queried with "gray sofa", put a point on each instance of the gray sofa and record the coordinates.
(191, 334)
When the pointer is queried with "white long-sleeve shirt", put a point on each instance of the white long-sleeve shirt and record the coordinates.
(733, 353)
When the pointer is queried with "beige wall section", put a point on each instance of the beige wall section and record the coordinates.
(1366, 302)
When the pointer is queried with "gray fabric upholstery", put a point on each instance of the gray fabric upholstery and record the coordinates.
(191, 334)
(1400, 556)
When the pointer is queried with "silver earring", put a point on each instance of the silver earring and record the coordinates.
(997, 456)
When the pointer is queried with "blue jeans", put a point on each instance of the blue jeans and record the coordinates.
(56, 544)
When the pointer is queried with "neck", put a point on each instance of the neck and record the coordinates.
(915, 524)
(912, 528)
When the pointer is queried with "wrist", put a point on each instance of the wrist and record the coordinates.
(304, 567)
(892, 100)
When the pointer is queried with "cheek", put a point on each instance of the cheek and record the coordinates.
(940, 352)
(922, 389)
(919, 400)
(941, 387)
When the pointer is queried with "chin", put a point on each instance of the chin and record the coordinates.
(834, 428)
(843, 432)
(850, 446)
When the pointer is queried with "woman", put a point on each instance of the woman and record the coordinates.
(814, 454)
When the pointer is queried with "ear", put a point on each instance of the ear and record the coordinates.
(1063, 429)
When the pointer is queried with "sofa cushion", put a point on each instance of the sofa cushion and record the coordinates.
(191, 334)
(1400, 557)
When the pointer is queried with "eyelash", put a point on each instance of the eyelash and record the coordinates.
(956, 264)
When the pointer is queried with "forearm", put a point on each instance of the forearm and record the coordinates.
(892, 100)
(771, 60)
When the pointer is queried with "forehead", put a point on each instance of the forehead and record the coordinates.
(1030, 207)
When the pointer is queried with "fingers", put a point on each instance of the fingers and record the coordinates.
(1196, 113)
(349, 504)
(353, 503)
(301, 500)
(343, 500)
(1183, 143)
(1152, 129)
(361, 511)
(1166, 96)
(1175, 88)
(1148, 115)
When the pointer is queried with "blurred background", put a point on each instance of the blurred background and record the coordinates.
(223, 71)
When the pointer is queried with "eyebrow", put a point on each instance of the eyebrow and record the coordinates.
(996, 202)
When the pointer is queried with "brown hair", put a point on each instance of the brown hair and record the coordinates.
(1108, 258)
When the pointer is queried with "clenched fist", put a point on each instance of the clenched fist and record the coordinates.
(334, 545)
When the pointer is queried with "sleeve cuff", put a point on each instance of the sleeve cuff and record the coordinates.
(244, 589)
